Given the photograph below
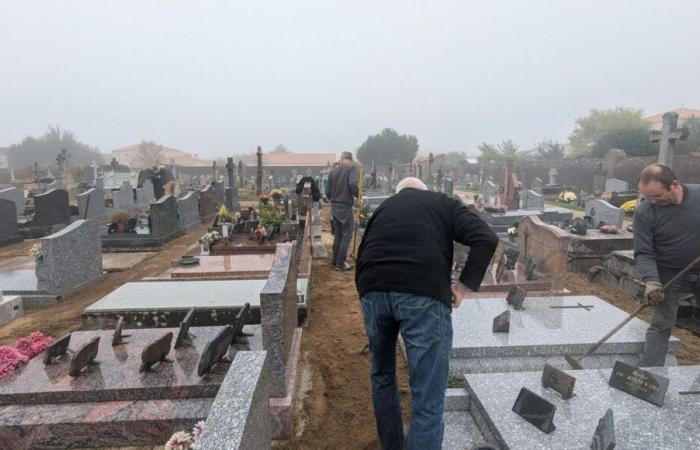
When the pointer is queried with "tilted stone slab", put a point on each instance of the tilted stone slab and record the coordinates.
(188, 211)
(71, 257)
(95, 206)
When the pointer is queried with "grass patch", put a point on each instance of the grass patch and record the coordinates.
(573, 206)
(455, 382)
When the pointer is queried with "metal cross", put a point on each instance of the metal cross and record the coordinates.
(578, 305)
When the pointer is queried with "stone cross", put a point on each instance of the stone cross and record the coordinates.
(240, 172)
(373, 183)
(420, 171)
(481, 175)
(214, 169)
(431, 158)
(48, 172)
(259, 173)
(114, 164)
(12, 175)
(667, 138)
(36, 172)
(229, 171)
(553, 176)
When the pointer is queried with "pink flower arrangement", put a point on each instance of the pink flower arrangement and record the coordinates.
(25, 349)
(183, 440)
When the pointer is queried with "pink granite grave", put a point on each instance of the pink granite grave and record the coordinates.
(227, 267)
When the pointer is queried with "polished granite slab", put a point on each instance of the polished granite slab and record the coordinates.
(18, 282)
(543, 332)
(638, 424)
(117, 376)
(243, 266)
(158, 304)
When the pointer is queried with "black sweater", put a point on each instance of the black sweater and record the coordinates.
(408, 246)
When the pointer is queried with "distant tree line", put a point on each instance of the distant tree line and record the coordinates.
(45, 149)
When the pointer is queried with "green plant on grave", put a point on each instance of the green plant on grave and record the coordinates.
(270, 216)
(366, 211)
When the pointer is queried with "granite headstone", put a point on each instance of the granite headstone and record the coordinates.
(603, 213)
(51, 208)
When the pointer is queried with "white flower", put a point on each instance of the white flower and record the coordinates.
(179, 441)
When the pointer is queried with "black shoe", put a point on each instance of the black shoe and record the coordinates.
(344, 267)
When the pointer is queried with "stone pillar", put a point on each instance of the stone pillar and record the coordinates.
(259, 173)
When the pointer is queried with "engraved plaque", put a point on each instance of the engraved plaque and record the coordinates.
(117, 338)
(516, 296)
(84, 357)
(183, 335)
(604, 436)
(560, 381)
(536, 410)
(157, 351)
(638, 382)
(501, 323)
(215, 350)
(240, 320)
(56, 349)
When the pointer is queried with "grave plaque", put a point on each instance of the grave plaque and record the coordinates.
(530, 269)
(84, 357)
(56, 349)
(560, 381)
(240, 320)
(516, 297)
(501, 268)
(183, 335)
(536, 410)
(215, 350)
(639, 383)
(604, 436)
(501, 323)
(511, 258)
(156, 352)
(117, 339)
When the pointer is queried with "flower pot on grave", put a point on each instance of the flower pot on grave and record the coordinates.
(121, 227)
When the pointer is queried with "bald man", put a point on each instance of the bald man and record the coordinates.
(403, 277)
(666, 239)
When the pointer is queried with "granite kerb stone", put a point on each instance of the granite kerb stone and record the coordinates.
(240, 415)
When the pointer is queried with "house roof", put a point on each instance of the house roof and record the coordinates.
(683, 114)
(292, 159)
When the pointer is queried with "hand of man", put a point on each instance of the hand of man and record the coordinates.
(653, 293)
(459, 291)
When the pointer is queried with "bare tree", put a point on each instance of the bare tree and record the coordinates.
(149, 154)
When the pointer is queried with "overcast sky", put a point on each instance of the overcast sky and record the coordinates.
(217, 78)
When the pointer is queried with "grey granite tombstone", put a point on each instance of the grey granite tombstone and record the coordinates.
(14, 195)
(602, 212)
(100, 182)
(51, 208)
(8, 223)
(95, 207)
(278, 315)
(553, 176)
(532, 200)
(71, 257)
(616, 185)
(163, 218)
(123, 198)
(188, 211)
(490, 192)
(448, 186)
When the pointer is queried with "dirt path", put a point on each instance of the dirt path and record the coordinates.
(336, 411)
(65, 317)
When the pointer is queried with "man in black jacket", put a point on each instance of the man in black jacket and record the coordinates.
(343, 188)
(403, 278)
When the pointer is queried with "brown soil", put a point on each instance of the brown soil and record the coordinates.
(65, 317)
(337, 411)
(688, 354)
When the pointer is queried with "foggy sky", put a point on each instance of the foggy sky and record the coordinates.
(218, 78)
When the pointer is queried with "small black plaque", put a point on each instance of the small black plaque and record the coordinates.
(536, 410)
(183, 335)
(604, 436)
(84, 357)
(155, 352)
(56, 349)
(240, 320)
(638, 382)
(501, 323)
(512, 256)
(215, 350)
(530, 269)
(560, 381)
(118, 337)
(516, 296)
(501, 269)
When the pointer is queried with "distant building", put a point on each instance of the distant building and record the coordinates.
(684, 114)
(133, 157)
(288, 165)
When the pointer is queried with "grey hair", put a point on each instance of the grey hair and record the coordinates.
(346, 155)
(411, 182)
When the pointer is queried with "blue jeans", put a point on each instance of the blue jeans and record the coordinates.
(426, 328)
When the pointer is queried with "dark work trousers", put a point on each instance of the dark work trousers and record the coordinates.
(664, 317)
(343, 223)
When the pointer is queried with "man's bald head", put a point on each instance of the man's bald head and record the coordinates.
(658, 184)
(411, 182)
(657, 173)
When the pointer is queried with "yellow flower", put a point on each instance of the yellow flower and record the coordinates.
(629, 206)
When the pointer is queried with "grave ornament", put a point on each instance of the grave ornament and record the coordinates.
(516, 297)
(536, 410)
(604, 436)
(215, 350)
(560, 381)
(156, 352)
(639, 383)
(85, 356)
(117, 338)
(56, 349)
(578, 227)
(511, 258)
(501, 323)
(183, 335)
